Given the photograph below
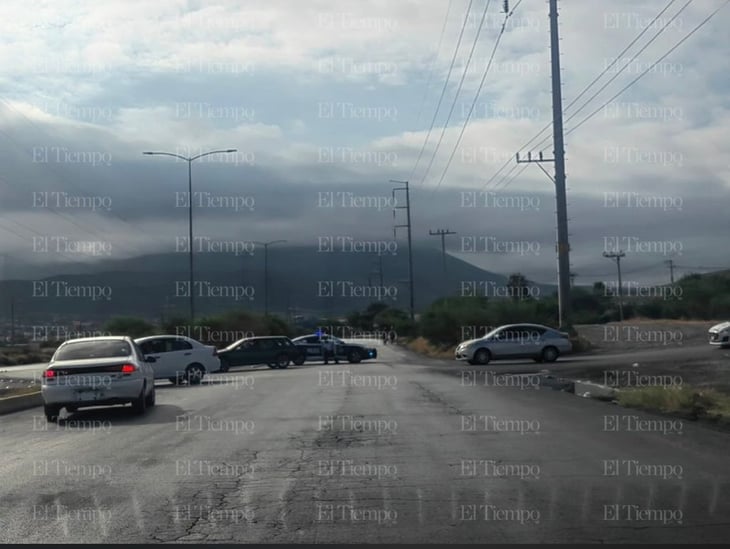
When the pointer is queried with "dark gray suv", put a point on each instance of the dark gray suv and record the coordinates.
(275, 351)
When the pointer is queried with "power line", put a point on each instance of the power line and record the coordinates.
(628, 63)
(548, 125)
(648, 26)
(476, 97)
(443, 91)
(458, 91)
(433, 63)
(630, 84)
(649, 68)
(618, 57)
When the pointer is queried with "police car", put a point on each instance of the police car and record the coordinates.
(313, 347)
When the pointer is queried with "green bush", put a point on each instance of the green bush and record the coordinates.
(129, 326)
(226, 328)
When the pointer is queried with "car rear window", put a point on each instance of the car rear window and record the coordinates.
(93, 349)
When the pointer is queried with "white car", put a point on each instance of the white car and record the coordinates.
(97, 371)
(179, 358)
(540, 343)
(719, 334)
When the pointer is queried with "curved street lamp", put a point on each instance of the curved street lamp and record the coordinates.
(266, 270)
(190, 160)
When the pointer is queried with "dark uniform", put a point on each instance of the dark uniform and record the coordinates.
(329, 350)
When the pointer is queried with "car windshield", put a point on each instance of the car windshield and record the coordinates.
(109, 348)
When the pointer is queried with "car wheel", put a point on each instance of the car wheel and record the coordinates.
(282, 361)
(299, 360)
(139, 404)
(51, 413)
(550, 354)
(150, 400)
(72, 409)
(354, 356)
(482, 356)
(194, 374)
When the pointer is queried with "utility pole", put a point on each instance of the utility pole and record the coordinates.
(378, 271)
(670, 264)
(442, 233)
(563, 247)
(266, 270)
(617, 256)
(407, 208)
(572, 279)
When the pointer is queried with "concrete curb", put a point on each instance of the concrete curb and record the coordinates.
(588, 389)
(584, 389)
(21, 402)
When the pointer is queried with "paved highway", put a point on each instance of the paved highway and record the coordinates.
(403, 449)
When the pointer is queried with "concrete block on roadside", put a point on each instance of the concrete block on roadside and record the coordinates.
(588, 389)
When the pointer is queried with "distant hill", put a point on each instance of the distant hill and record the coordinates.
(300, 279)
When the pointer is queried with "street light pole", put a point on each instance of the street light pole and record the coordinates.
(191, 284)
(266, 271)
(189, 160)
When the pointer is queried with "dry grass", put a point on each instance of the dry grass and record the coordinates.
(422, 346)
(697, 403)
(18, 391)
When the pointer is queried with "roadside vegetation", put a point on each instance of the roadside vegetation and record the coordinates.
(686, 401)
(444, 323)
(7, 391)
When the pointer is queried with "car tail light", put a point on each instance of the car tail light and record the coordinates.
(128, 368)
(48, 374)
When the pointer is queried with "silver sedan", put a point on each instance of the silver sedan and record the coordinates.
(541, 343)
(97, 371)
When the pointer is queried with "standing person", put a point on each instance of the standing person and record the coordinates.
(328, 349)
(335, 350)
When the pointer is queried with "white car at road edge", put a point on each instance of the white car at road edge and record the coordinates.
(719, 334)
(179, 358)
(513, 341)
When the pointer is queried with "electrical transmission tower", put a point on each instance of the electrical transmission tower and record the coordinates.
(407, 225)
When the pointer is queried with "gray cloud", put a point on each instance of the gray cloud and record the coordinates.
(79, 112)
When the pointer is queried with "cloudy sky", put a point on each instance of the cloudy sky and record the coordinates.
(326, 102)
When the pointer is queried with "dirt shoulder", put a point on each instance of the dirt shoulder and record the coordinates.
(642, 334)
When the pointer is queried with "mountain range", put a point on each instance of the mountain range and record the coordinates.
(300, 280)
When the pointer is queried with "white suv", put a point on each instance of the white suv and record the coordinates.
(179, 358)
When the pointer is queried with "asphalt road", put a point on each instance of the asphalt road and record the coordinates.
(397, 450)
